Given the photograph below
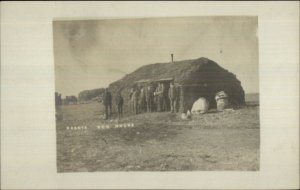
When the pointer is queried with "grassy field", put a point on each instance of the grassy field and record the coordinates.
(226, 140)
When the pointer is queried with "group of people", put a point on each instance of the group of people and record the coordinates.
(107, 103)
(146, 99)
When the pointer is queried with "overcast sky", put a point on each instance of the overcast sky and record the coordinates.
(93, 53)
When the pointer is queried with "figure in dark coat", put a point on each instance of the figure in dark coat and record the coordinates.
(159, 96)
(107, 101)
(142, 100)
(119, 102)
(164, 97)
(131, 103)
(135, 100)
(149, 99)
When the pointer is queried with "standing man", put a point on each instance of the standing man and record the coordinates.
(119, 102)
(158, 94)
(107, 101)
(155, 100)
(164, 96)
(149, 98)
(142, 100)
(173, 97)
(135, 100)
(131, 99)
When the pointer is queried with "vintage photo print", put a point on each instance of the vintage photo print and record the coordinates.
(157, 94)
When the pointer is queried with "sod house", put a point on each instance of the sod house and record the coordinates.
(193, 79)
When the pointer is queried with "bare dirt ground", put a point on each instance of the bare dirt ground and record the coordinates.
(215, 141)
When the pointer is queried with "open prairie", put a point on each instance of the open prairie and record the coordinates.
(215, 141)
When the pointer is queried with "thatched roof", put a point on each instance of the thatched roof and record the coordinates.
(198, 72)
(183, 72)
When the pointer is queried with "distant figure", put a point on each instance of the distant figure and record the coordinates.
(107, 101)
(119, 102)
(59, 100)
(142, 100)
(56, 99)
(173, 97)
(135, 99)
(149, 98)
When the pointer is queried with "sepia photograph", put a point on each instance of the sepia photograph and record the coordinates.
(149, 95)
(157, 94)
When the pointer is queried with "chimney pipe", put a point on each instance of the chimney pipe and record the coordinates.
(172, 56)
